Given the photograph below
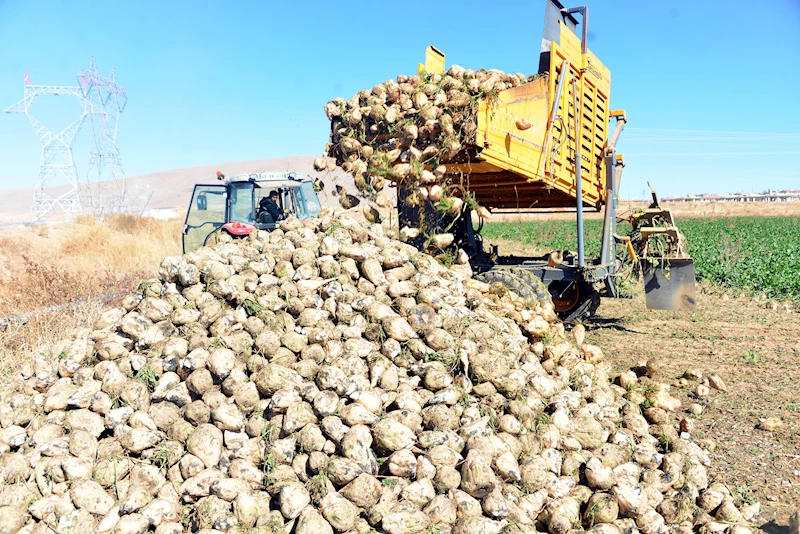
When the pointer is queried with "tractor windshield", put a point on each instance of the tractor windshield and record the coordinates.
(206, 214)
(242, 203)
(308, 201)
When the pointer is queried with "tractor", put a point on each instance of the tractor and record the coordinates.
(232, 208)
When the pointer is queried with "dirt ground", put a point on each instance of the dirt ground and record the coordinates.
(756, 351)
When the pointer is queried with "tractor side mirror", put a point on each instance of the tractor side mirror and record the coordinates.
(202, 203)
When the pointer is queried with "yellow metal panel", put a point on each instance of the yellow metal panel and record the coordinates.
(503, 144)
(593, 114)
(596, 72)
(472, 167)
(525, 153)
(521, 163)
(434, 61)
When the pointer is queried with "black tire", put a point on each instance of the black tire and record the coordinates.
(582, 304)
(536, 283)
(523, 284)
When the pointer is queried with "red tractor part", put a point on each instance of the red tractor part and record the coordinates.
(238, 229)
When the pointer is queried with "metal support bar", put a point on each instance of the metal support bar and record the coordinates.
(608, 255)
(553, 112)
(612, 143)
(619, 164)
(609, 213)
(612, 191)
(578, 166)
(583, 10)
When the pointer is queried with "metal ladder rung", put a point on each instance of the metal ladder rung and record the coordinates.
(650, 230)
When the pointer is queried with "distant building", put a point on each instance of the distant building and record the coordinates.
(787, 195)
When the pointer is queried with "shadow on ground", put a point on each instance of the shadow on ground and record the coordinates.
(615, 323)
(774, 528)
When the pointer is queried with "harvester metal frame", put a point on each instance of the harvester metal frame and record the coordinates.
(575, 284)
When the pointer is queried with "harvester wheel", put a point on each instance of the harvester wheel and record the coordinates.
(536, 284)
(574, 301)
(520, 282)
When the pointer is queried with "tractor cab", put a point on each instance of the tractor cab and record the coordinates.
(236, 206)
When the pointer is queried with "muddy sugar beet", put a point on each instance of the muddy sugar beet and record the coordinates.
(405, 131)
(325, 378)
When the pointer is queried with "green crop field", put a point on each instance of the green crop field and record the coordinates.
(756, 254)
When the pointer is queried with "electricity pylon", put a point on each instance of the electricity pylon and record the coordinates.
(109, 96)
(56, 158)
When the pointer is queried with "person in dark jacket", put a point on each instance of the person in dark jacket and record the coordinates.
(270, 205)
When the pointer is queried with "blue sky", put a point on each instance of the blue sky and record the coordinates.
(710, 89)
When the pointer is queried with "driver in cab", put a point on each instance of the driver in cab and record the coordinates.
(269, 204)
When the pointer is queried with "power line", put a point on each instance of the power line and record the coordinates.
(707, 131)
(705, 154)
(727, 139)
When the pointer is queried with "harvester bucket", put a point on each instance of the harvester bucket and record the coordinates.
(669, 285)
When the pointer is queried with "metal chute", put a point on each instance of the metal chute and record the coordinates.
(669, 285)
(667, 269)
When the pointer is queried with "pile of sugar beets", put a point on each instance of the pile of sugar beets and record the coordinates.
(326, 378)
(405, 131)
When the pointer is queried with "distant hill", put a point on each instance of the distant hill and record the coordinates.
(173, 188)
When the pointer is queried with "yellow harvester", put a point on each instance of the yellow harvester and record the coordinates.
(550, 143)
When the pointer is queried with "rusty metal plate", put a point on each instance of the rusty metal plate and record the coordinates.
(670, 285)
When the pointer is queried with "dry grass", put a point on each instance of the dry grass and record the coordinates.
(122, 243)
(49, 266)
(21, 344)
